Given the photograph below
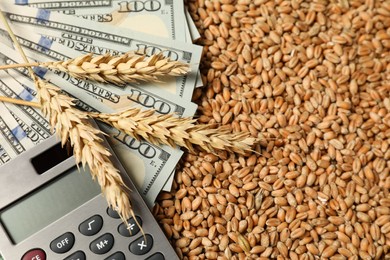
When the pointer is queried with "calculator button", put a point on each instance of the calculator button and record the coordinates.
(35, 254)
(140, 246)
(112, 213)
(156, 256)
(63, 243)
(116, 256)
(79, 255)
(131, 229)
(91, 226)
(102, 244)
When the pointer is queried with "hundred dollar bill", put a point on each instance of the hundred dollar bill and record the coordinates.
(16, 130)
(4, 157)
(169, 182)
(30, 119)
(162, 18)
(106, 98)
(87, 36)
(115, 101)
(191, 25)
(146, 171)
(148, 165)
(28, 126)
(13, 139)
(158, 17)
(5, 39)
(145, 96)
(38, 129)
(187, 32)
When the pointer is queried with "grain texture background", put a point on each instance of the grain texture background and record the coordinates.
(311, 79)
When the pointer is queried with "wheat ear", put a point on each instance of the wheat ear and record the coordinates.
(118, 70)
(73, 124)
(173, 131)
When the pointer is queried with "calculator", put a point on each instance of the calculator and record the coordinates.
(52, 209)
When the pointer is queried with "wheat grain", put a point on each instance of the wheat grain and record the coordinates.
(170, 130)
(118, 70)
(316, 74)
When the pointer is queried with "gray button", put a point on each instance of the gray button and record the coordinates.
(116, 256)
(112, 213)
(140, 246)
(79, 255)
(102, 244)
(156, 256)
(131, 228)
(63, 243)
(91, 226)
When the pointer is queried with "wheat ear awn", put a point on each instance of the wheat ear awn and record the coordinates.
(118, 70)
(173, 131)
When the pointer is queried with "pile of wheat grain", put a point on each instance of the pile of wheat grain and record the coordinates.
(312, 78)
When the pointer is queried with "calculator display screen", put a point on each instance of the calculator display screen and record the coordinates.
(49, 203)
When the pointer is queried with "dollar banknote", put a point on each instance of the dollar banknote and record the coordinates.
(11, 129)
(31, 45)
(169, 182)
(7, 150)
(149, 176)
(38, 129)
(13, 140)
(151, 14)
(13, 132)
(158, 17)
(4, 156)
(83, 36)
(105, 98)
(162, 18)
(195, 35)
(148, 165)
(30, 119)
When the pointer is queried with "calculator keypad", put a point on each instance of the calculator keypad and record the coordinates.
(102, 244)
(79, 255)
(91, 226)
(63, 243)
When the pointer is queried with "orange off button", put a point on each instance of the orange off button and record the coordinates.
(35, 254)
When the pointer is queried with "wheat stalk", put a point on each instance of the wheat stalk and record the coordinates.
(19, 102)
(72, 123)
(173, 131)
(118, 70)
